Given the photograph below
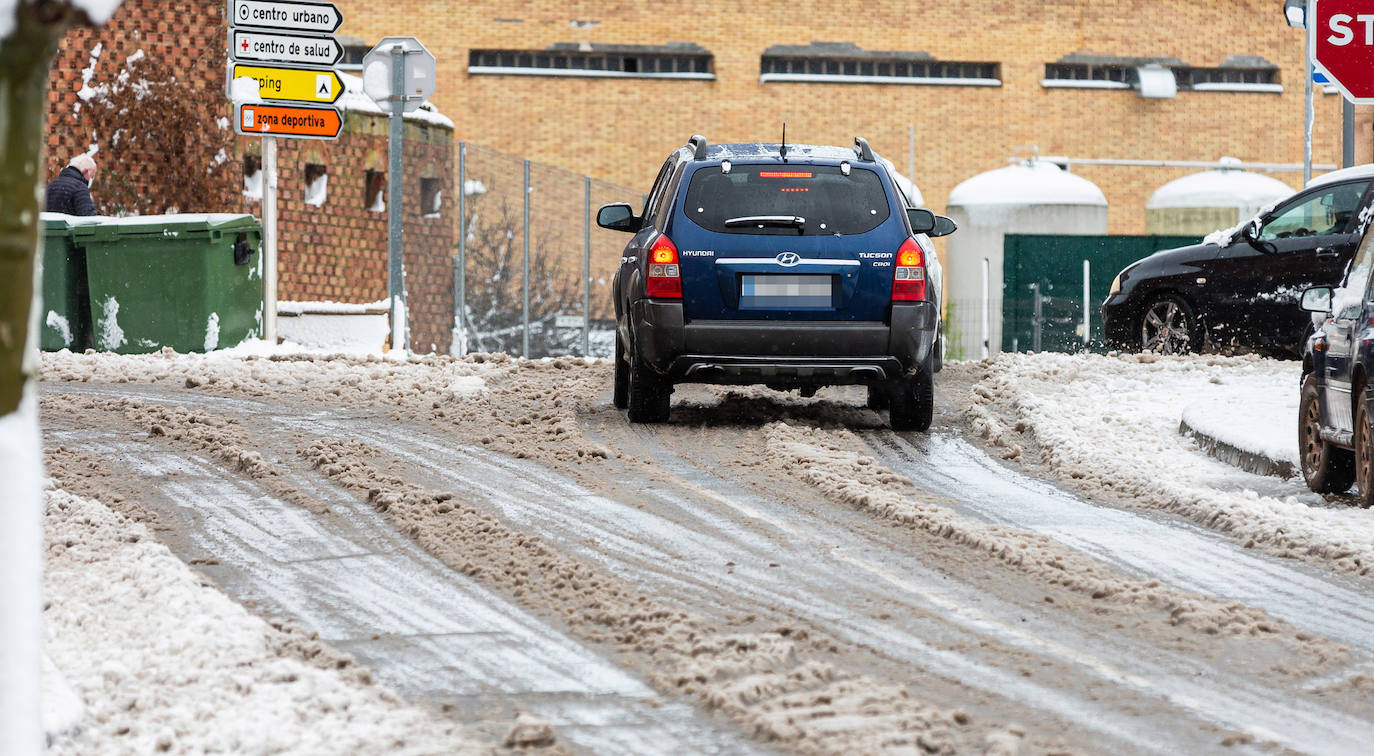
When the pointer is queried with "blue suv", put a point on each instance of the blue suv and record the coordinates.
(791, 266)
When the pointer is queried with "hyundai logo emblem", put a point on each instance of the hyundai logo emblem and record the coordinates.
(788, 259)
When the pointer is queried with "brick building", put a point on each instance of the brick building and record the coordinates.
(148, 91)
(608, 88)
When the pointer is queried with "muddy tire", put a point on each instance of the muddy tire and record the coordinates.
(621, 395)
(1325, 467)
(1168, 326)
(912, 403)
(1364, 453)
(649, 394)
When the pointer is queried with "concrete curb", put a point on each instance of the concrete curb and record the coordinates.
(1245, 460)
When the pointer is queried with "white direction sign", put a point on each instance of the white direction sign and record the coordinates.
(286, 15)
(419, 74)
(285, 48)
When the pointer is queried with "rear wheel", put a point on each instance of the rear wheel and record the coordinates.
(649, 394)
(621, 396)
(1168, 327)
(912, 402)
(1364, 454)
(1326, 468)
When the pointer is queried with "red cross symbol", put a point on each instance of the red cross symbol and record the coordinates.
(245, 45)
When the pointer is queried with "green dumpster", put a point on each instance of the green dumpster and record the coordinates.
(66, 316)
(189, 282)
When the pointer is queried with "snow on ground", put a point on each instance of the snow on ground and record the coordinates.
(1111, 423)
(162, 662)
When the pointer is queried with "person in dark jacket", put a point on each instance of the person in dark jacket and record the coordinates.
(70, 192)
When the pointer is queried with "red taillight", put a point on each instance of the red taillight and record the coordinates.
(909, 278)
(664, 278)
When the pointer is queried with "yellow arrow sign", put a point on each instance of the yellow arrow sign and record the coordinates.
(293, 84)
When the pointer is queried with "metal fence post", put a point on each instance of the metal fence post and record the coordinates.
(1087, 305)
(586, 266)
(525, 313)
(1038, 318)
(987, 308)
(460, 296)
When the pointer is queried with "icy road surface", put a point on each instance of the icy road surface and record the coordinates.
(766, 573)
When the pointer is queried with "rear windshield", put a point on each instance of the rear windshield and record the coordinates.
(827, 201)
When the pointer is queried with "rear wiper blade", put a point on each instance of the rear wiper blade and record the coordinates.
(766, 220)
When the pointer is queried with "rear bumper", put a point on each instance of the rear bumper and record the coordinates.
(784, 352)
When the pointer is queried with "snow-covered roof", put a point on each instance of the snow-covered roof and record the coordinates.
(1353, 172)
(1034, 182)
(1222, 187)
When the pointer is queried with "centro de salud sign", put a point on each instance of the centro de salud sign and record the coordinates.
(1341, 33)
(288, 48)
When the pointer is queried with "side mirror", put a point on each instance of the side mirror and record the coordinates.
(922, 220)
(617, 216)
(1251, 231)
(1317, 299)
(944, 226)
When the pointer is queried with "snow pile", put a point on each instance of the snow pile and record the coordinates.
(164, 663)
(1110, 424)
(1248, 413)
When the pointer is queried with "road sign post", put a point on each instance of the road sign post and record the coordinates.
(399, 73)
(264, 34)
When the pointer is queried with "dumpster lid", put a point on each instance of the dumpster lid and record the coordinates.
(62, 220)
(134, 225)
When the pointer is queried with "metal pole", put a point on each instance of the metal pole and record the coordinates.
(586, 266)
(525, 312)
(269, 240)
(1347, 133)
(1087, 304)
(1308, 112)
(987, 337)
(461, 298)
(395, 181)
(1038, 308)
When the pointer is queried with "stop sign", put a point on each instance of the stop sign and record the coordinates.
(1342, 36)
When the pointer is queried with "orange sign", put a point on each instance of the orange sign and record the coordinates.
(289, 121)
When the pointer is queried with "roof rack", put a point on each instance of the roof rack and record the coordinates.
(862, 149)
(698, 144)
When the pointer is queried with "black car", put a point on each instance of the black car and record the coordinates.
(1241, 287)
(792, 266)
(1335, 427)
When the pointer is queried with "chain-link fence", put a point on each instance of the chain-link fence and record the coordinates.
(532, 269)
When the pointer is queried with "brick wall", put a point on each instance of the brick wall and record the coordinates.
(334, 252)
(620, 129)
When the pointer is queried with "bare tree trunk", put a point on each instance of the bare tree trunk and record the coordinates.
(27, 55)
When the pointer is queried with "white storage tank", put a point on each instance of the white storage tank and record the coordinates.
(1032, 197)
(1199, 204)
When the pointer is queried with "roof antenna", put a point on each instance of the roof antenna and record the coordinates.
(782, 151)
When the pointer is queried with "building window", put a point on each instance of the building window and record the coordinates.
(252, 178)
(374, 191)
(1236, 74)
(431, 197)
(843, 62)
(316, 184)
(672, 61)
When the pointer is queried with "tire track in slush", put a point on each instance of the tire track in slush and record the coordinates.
(427, 631)
(594, 527)
(1164, 548)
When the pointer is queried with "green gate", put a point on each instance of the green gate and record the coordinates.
(1053, 267)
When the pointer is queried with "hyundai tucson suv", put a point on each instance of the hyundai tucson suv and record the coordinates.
(791, 266)
(1241, 286)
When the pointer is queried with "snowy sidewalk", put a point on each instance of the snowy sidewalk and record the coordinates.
(1252, 424)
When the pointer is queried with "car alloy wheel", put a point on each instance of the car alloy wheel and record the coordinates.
(1325, 467)
(1364, 455)
(1167, 327)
